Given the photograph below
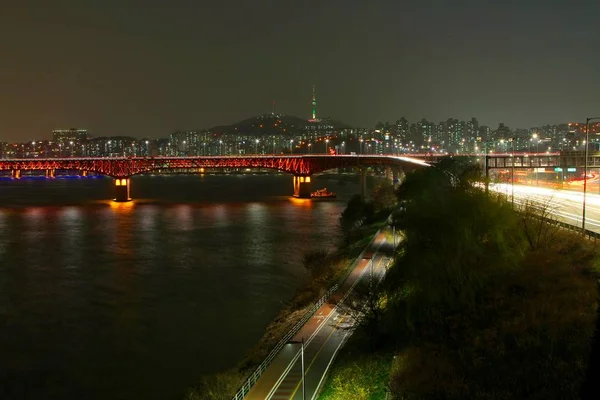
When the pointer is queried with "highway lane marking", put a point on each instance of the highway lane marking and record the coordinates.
(283, 375)
(329, 365)
(315, 356)
(335, 353)
(321, 325)
(561, 207)
(335, 328)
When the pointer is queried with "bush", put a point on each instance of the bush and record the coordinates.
(500, 304)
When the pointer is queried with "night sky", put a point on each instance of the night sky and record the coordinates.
(146, 68)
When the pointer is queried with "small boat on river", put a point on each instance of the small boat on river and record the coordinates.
(323, 194)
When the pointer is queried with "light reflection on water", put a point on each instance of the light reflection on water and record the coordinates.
(103, 300)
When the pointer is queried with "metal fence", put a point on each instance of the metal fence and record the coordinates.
(590, 235)
(253, 378)
(263, 366)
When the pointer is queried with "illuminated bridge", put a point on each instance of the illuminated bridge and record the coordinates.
(302, 167)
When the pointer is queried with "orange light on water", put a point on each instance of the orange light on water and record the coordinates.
(307, 203)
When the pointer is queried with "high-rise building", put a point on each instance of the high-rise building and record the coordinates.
(401, 131)
(65, 136)
(71, 142)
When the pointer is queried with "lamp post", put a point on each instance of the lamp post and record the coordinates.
(292, 146)
(204, 148)
(585, 170)
(537, 143)
(220, 147)
(302, 364)
(512, 174)
(326, 145)
(309, 146)
(342, 147)
(256, 147)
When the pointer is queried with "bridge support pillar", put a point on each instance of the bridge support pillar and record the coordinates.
(83, 173)
(122, 189)
(302, 186)
(363, 182)
(388, 173)
(50, 173)
(15, 174)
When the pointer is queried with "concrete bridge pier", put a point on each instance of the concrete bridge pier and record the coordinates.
(302, 186)
(122, 189)
(388, 173)
(50, 173)
(15, 174)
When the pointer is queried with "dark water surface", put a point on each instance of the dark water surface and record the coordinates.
(100, 300)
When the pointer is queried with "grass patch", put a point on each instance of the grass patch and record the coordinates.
(358, 374)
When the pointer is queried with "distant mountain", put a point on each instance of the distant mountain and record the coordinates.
(270, 124)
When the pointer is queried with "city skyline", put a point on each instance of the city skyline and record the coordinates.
(144, 69)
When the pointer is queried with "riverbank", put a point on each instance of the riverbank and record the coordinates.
(326, 270)
(482, 302)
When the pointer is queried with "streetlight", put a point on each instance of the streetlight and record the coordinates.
(292, 146)
(361, 145)
(326, 145)
(147, 148)
(585, 171)
(256, 147)
(220, 147)
(309, 146)
(302, 363)
(203, 148)
(342, 147)
(537, 150)
(512, 174)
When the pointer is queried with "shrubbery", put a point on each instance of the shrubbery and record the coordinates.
(482, 302)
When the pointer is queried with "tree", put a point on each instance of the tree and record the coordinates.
(538, 222)
(352, 216)
(316, 263)
(383, 196)
(365, 306)
(457, 238)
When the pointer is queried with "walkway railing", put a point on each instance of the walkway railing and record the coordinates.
(253, 378)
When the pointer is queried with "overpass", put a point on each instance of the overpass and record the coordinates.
(302, 167)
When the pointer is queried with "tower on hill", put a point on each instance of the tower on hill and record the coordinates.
(314, 106)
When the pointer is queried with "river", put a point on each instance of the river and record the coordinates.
(103, 300)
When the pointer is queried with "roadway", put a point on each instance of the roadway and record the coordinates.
(566, 205)
(324, 335)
